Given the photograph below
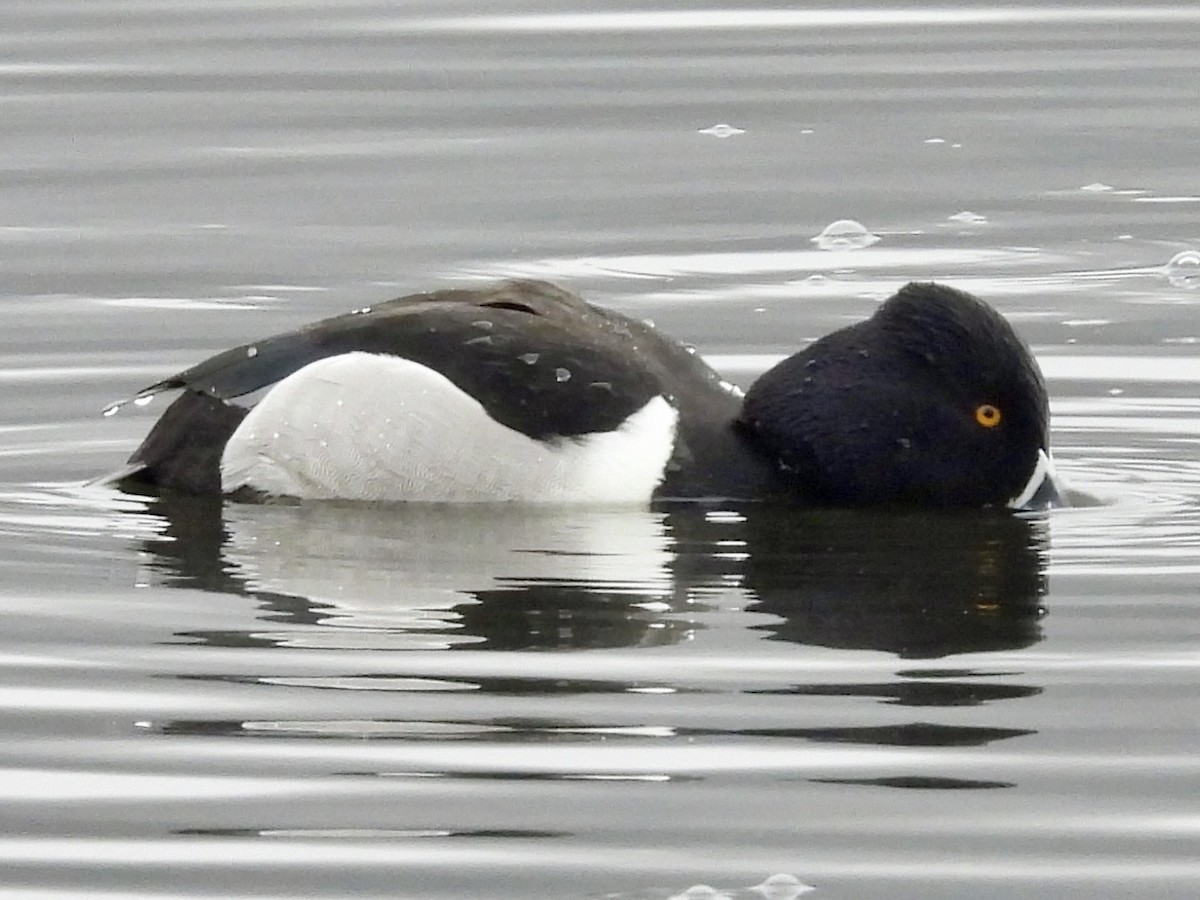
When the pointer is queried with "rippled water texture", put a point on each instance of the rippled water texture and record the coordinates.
(331, 701)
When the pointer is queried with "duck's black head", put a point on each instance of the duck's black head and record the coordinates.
(933, 401)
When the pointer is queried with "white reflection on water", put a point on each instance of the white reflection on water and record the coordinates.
(61, 785)
(1121, 368)
(400, 574)
(689, 20)
(799, 261)
(1056, 367)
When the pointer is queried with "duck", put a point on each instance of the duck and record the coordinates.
(523, 392)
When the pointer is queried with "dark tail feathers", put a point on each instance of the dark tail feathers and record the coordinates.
(183, 449)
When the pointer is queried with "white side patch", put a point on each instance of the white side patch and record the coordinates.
(366, 427)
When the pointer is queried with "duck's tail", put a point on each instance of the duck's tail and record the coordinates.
(183, 450)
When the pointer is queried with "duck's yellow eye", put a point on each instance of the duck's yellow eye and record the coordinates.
(987, 415)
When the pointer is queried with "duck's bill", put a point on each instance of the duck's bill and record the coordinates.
(1044, 488)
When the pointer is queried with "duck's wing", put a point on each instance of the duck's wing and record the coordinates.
(538, 358)
(395, 326)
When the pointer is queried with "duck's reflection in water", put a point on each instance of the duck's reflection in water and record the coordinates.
(918, 585)
(350, 578)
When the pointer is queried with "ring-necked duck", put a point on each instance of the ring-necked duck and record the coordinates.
(524, 392)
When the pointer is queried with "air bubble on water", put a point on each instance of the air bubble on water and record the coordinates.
(561, 375)
(484, 324)
(1183, 271)
(722, 130)
(782, 887)
(845, 234)
(701, 892)
(1115, 392)
(251, 352)
(1097, 187)
(966, 217)
(482, 339)
(529, 358)
(113, 409)
(143, 401)
(935, 140)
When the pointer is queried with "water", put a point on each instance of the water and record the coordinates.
(334, 701)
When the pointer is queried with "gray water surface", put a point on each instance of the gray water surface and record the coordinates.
(208, 700)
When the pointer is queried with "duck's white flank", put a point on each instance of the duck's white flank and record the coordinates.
(370, 427)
